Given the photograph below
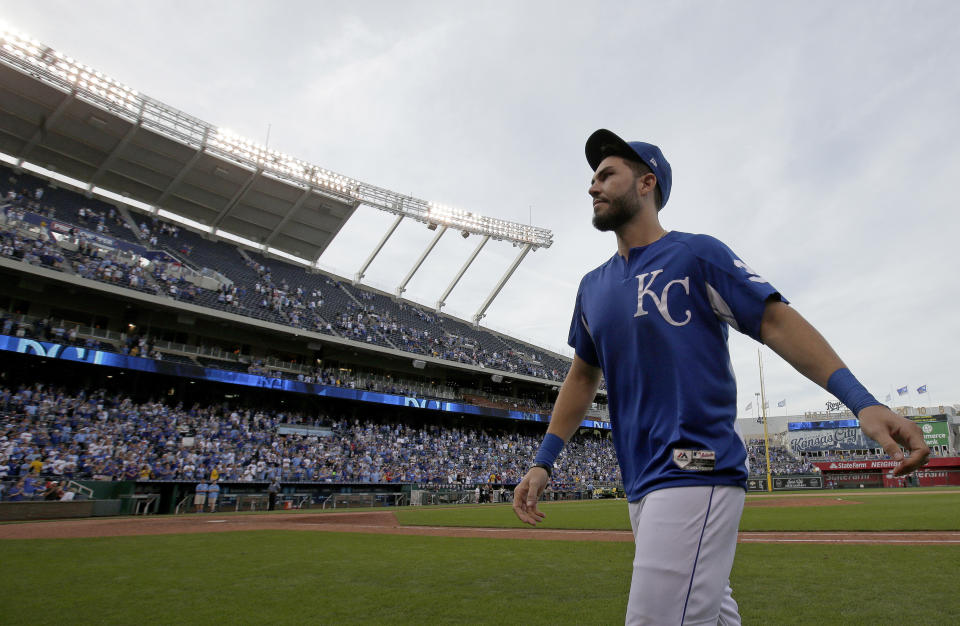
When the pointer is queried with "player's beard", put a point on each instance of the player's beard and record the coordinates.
(619, 211)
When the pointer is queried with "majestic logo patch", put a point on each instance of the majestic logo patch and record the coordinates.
(695, 460)
(660, 301)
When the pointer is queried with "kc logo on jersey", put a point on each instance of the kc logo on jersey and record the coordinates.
(644, 289)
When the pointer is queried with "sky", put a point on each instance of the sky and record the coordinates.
(819, 140)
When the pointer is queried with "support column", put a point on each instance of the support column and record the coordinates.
(107, 162)
(183, 171)
(413, 270)
(453, 283)
(48, 123)
(363, 269)
(503, 281)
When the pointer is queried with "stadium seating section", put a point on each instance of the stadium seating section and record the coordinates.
(249, 284)
(62, 435)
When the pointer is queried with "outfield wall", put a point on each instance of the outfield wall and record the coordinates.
(939, 471)
(36, 510)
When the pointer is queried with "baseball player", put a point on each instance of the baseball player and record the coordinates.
(653, 321)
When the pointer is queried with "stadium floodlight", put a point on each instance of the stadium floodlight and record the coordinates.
(62, 72)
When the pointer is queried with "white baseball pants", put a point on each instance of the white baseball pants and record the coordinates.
(685, 539)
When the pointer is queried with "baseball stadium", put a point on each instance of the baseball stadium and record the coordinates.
(199, 423)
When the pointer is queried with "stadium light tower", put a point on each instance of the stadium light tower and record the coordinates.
(413, 270)
(482, 311)
(453, 283)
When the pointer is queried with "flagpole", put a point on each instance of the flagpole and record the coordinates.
(933, 405)
(763, 409)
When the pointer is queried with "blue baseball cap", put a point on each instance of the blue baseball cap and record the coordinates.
(634, 151)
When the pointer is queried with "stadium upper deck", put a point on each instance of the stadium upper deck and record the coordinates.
(73, 119)
(228, 278)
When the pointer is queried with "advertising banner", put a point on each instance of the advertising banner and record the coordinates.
(786, 483)
(823, 424)
(854, 479)
(829, 439)
(797, 482)
(935, 433)
(885, 464)
(931, 478)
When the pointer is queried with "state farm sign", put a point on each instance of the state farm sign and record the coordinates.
(840, 466)
(856, 465)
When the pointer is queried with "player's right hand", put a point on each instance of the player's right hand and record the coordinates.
(526, 495)
(892, 431)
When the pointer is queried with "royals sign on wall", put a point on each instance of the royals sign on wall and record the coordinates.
(829, 439)
(934, 433)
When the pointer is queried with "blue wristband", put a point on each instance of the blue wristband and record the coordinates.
(549, 449)
(848, 390)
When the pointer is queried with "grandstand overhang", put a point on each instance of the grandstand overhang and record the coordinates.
(123, 153)
(70, 118)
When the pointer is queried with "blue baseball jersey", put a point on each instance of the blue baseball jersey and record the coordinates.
(656, 324)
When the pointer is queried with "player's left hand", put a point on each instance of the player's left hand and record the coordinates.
(527, 493)
(891, 431)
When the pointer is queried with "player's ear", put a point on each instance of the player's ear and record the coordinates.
(646, 183)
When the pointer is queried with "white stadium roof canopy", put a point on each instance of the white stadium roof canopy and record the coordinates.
(77, 122)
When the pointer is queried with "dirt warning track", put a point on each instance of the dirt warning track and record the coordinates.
(385, 522)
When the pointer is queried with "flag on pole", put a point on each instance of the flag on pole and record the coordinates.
(782, 403)
(922, 389)
(902, 390)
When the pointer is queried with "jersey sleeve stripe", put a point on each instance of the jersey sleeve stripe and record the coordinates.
(720, 307)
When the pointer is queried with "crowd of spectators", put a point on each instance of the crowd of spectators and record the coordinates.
(43, 329)
(90, 259)
(49, 432)
(782, 461)
(97, 220)
(296, 307)
(33, 250)
(109, 267)
(362, 318)
(149, 231)
(143, 345)
(33, 487)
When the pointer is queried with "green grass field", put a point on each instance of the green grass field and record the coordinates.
(316, 577)
(892, 510)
